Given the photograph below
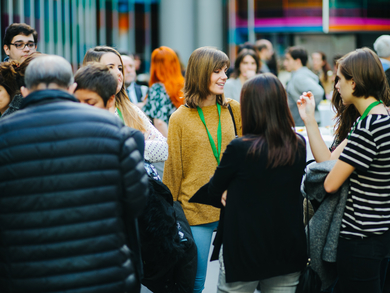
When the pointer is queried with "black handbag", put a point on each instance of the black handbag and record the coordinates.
(309, 281)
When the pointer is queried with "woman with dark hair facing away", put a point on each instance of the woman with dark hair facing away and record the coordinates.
(197, 136)
(11, 79)
(166, 88)
(364, 238)
(258, 182)
(156, 148)
(324, 71)
(247, 64)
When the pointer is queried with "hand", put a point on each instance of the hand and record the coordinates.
(306, 107)
(223, 198)
(148, 135)
(248, 74)
(141, 104)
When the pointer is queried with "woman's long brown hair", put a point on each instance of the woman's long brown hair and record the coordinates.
(203, 61)
(365, 68)
(267, 120)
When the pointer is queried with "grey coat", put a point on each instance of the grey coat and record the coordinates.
(303, 80)
(326, 222)
(13, 106)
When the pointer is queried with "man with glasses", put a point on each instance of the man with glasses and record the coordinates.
(20, 40)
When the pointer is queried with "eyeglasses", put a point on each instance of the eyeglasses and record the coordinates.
(21, 46)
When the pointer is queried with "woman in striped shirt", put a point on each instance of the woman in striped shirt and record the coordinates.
(364, 158)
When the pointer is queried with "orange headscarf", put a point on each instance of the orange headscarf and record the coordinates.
(165, 68)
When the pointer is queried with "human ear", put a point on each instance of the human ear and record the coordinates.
(110, 102)
(24, 91)
(72, 88)
(353, 84)
(6, 49)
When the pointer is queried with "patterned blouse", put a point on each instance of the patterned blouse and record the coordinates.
(158, 104)
(156, 147)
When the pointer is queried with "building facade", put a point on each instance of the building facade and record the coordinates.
(70, 27)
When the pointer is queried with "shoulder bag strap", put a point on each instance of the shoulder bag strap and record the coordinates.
(234, 122)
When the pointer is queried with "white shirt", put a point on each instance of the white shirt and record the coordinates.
(132, 95)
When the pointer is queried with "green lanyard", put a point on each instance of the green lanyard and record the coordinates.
(217, 153)
(372, 105)
(120, 114)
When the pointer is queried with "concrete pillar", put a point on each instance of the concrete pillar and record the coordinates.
(209, 23)
(177, 29)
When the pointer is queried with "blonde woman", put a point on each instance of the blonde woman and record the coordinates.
(156, 148)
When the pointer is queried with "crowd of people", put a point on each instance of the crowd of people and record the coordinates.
(106, 184)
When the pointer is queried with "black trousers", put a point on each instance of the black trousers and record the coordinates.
(359, 263)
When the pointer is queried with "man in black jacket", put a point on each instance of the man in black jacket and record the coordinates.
(71, 181)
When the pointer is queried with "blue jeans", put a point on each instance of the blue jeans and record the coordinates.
(202, 236)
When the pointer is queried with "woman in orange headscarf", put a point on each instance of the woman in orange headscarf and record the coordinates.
(166, 84)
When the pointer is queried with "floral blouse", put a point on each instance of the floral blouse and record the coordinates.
(156, 147)
(158, 104)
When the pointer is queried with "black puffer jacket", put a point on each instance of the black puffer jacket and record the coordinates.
(71, 181)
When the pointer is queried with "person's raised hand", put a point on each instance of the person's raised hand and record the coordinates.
(249, 73)
(223, 198)
(149, 135)
(306, 107)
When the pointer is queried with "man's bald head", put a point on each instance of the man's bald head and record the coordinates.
(265, 49)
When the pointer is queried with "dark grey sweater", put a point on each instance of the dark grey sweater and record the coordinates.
(326, 222)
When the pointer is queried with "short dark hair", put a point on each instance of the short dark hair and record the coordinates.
(98, 78)
(19, 29)
(298, 52)
(246, 45)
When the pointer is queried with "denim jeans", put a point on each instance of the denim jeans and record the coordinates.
(279, 284)
(202, 235)
(359, 263)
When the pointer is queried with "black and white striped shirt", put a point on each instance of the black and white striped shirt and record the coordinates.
(367, 211)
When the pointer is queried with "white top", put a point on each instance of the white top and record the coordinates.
(156, 146)
(132, 95)
(232, 89)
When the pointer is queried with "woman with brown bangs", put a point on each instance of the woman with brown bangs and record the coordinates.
(197, 136)
(156, 148)
(166, 88)
(363, 159)
(258, 182)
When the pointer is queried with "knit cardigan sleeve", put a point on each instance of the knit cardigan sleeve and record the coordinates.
(173, 178)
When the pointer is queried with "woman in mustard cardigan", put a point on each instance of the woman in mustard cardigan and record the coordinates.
(197, 137)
